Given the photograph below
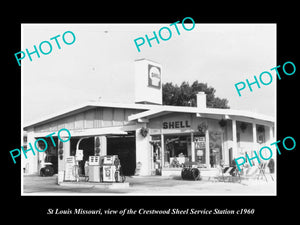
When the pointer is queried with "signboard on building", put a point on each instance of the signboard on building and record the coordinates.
(148, 82)
(199, 142)
(176, 124)
(154, 76)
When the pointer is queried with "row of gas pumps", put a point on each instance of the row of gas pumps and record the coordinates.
(97, 169)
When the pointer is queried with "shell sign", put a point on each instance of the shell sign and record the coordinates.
(154, 77)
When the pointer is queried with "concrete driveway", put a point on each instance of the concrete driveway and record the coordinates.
(151, 185)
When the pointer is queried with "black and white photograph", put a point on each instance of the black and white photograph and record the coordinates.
(149, 109)
(189, 117)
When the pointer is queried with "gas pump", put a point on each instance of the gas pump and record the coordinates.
(94, 169)
(105, 169)
(110, 169)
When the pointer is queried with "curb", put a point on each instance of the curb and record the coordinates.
(95, 185)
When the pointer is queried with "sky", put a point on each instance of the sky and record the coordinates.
(99, 65)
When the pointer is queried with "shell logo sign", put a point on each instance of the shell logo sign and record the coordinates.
(154, 77)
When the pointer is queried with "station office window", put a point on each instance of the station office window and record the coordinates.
(199, 141)
(177, 150)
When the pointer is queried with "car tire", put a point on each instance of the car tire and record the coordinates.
(49, 171)
(42, 172)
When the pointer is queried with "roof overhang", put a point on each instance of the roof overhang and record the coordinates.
(153, 111)
(113, 131)
(83, 107)
(213, 113)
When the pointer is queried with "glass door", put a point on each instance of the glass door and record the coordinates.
(156, 155)
(215, 148)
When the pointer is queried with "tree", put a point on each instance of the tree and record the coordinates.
(185, 95)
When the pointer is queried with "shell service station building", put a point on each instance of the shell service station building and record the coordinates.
(148, 137)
